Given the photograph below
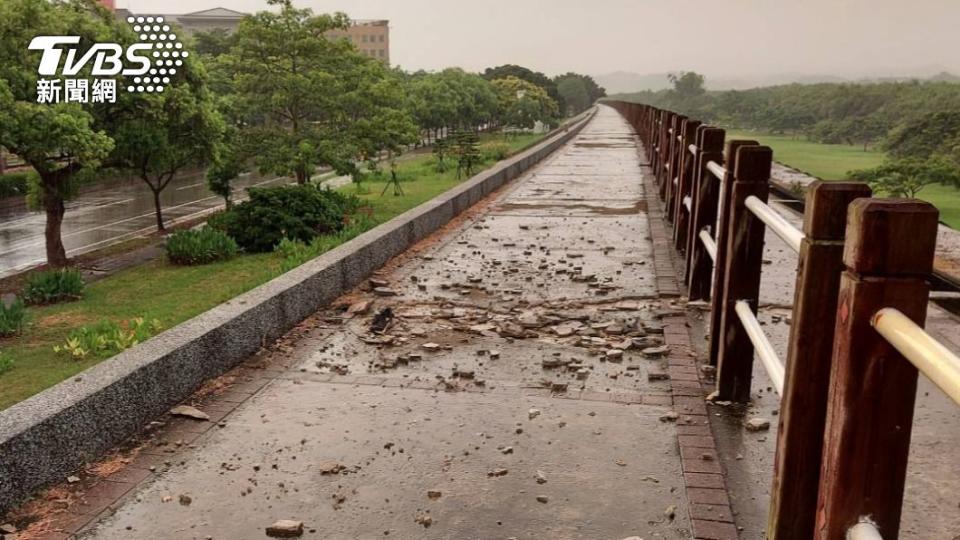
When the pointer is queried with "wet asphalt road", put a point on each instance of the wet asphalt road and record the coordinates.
(524, 297)
(104, 217)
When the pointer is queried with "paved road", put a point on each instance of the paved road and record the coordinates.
(108, 216)
(350, 435)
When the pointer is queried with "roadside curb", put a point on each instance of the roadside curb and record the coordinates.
(709, 503)
(52, 433)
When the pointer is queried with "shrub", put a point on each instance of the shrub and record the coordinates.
(6, 362)
(12, 317)
(495, 151)
(294, 252)
(200, 246)
(51, 286)
(106, 338)
(298, 212)
(14, 184)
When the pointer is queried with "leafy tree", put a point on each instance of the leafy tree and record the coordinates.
(907, 178)
(930, 135)
(441, 148)
(523, 104)
(575, 94)
(526, 74)
(213, 42)
(228, 164)
(310, 100)
(687, 84)
(58, 140)
(165, 132)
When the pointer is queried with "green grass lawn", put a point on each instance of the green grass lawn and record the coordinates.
(833, 161)
(172, 294)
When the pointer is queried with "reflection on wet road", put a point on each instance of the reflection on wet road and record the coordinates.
(108, 216)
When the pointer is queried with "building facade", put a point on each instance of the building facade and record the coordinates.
(370, 37)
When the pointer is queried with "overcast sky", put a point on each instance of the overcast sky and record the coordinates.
(723, 38)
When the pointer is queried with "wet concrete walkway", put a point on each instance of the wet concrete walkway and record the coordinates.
(507, 397)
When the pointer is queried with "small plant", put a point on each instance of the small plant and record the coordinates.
(6, 362)
(52, 286)
(294, 252)
(107, 338)
(12, 317)
(441, 148)
(495, 151)
(200, 246)
(467, 151)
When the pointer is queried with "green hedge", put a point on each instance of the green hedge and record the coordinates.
(14, 184)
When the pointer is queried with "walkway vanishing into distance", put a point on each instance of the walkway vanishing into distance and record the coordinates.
(508, 396)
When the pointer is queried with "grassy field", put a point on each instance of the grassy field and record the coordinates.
(834, 161)
(172, 294)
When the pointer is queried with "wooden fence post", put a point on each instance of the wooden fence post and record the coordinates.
(742, 276)
(685, 172)
(671, 166)
(662, 145)
(888, 257)
(706, 197)
(720, 266)
(803, 406)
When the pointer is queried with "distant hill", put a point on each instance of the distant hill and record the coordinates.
(625, 81)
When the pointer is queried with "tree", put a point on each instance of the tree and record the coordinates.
(687, 84)
(907, 178)
(228, 164)
(164, 132)
(58, 140)
(523, 104)
(526, 74)
(929, 135)
(213, 42)
(312, 101)
(578, 91)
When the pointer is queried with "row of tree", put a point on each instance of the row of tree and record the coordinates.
(861, 114)
(916, 123)
(279, 95)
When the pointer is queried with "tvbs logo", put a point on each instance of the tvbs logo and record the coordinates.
(147, 65)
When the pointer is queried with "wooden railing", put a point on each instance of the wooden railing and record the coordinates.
(847, 389)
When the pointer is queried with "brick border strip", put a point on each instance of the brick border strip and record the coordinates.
(56, 431)
(709, 505)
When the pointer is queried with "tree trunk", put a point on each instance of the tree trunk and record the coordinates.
(158, 210)
(54, 208)
(301, 175)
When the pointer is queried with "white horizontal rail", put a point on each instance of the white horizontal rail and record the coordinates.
(686, 203)
(777, 223)
(717, 170)
(864, 531)
(938, 363)
(709, 244)
(766, 353)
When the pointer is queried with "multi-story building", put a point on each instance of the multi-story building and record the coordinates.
(371, 37)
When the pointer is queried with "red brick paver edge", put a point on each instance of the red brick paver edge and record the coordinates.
(710, 513)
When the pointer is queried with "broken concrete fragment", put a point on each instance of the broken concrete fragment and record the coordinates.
(498, 472)
(757, 424)
(189, 412)
(330, 467)
(432, 347)
(533, 413)
(671, 416)
(657, 376)
(384, 291)
(656, 352)
(543, 499)
(285, 528)
(359, 308)
(540, 477)
(614, 355)
(423, 519)
(434, 494)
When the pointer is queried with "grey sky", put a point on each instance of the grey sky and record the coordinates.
(725, 38)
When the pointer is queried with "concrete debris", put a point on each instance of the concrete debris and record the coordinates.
(285, 528)
(187, 411)
(671, 416)
(656, 352)
(757, 424)
(533, 413)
